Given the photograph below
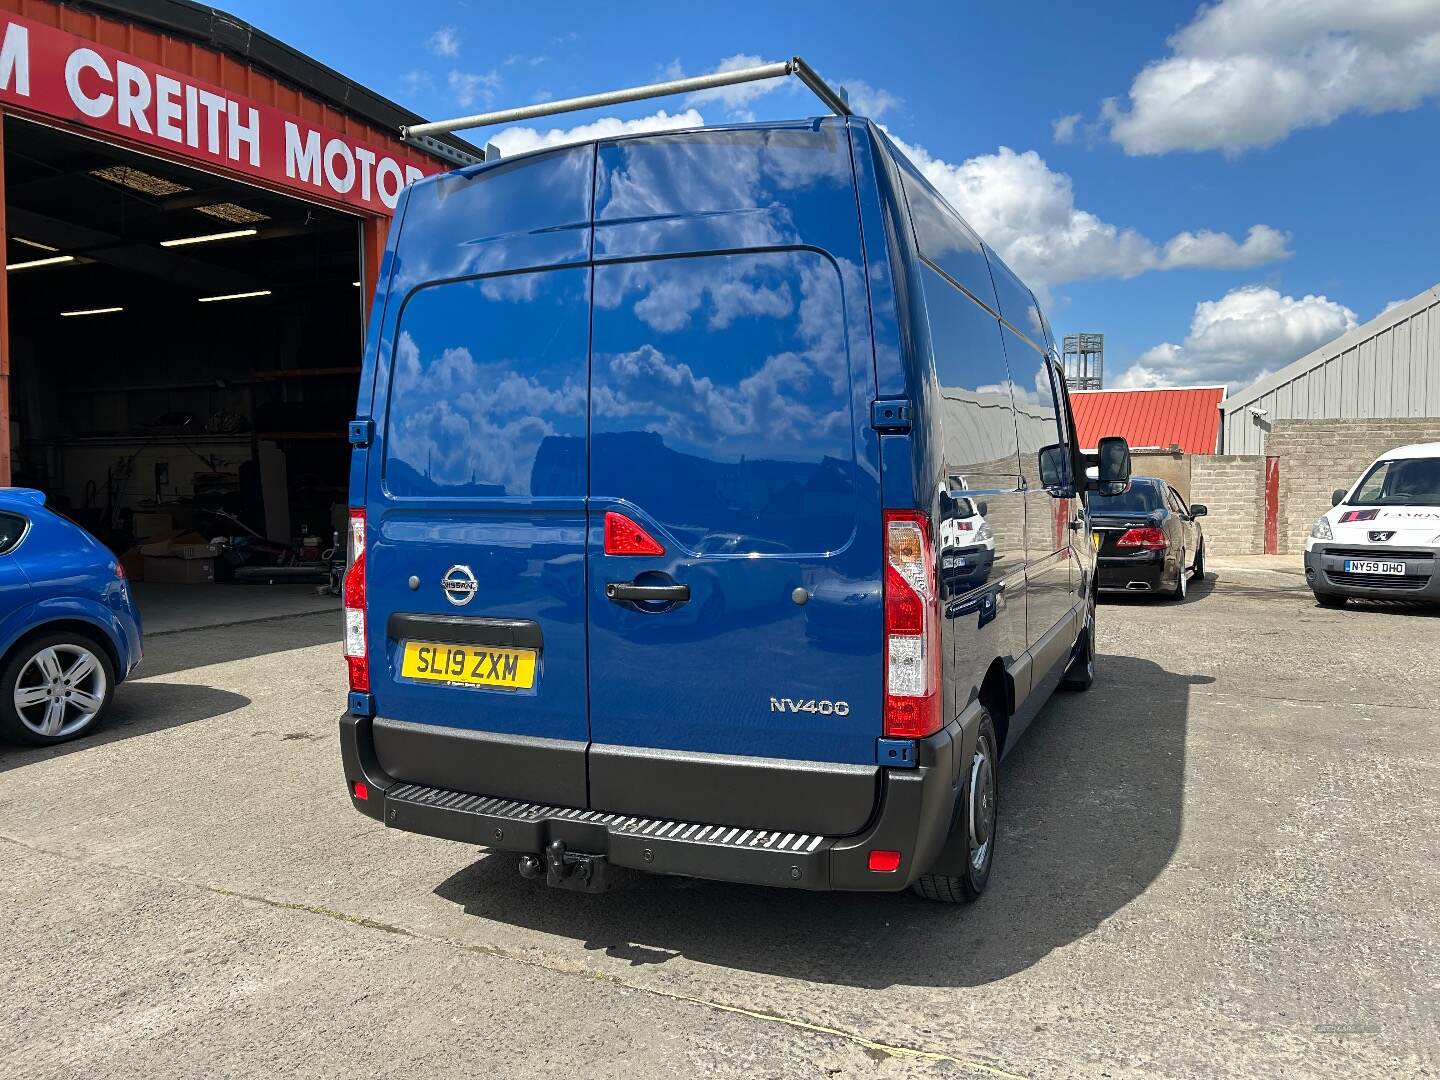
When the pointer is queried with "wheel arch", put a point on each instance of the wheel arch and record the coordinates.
(92, 631)
(997, 694)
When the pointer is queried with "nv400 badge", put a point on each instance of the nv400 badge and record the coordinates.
(810, 705)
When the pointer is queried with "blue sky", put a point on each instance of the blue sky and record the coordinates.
(1263, 177)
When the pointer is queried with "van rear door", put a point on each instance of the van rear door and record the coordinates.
(729, 422)
(476, 490)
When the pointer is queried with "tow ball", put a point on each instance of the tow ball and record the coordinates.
(565, 869)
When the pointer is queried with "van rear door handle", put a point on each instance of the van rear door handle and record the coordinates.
(627, 592)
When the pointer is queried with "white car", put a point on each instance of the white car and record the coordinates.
(1381, 539)
(967, 545)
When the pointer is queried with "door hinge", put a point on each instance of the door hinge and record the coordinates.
(360, 432)
(890, 414)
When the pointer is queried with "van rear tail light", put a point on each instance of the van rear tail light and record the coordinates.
(1150, 538)
(354, 596)
(912, 627)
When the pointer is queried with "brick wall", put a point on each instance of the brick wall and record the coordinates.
(1232, 487)
(1318, 456)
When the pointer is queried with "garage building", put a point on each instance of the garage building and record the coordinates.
(1315, 424)
(193, 217)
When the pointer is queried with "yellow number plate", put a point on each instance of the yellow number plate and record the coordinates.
(468, 665)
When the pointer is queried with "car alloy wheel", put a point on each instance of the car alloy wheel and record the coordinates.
(60, 690)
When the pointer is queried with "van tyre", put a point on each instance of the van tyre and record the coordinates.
(54, 688)
(1329, 600)
(1200, 563)
(972, 836)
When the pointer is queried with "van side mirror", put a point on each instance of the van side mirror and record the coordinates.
(1198, 510)
(982, 507)
(1053, 461)
(1112, 466)
(1337, 496)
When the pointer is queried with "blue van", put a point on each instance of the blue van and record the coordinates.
(716, 510)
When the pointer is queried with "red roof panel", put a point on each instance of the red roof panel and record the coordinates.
(1187, 417)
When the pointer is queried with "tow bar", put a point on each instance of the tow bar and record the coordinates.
(566, 869)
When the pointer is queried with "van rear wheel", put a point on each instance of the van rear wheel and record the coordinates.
(971, 846)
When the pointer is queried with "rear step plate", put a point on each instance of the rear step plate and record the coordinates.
(725, 852)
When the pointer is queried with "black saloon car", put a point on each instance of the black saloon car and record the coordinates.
(1148, 539)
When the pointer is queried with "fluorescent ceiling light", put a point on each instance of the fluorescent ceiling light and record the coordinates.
(92, 311)
(233, 234)
(33, 243)
(234, 296)
(53, 261)
(355, 283)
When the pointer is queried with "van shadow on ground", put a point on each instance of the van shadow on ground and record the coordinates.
(1091, 804)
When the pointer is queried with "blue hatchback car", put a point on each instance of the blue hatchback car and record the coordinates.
(69, 630)
(716, 510)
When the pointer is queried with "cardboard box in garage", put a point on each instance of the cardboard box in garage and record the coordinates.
(182, 558)
(173, 569)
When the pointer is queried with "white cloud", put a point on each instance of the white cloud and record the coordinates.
(1064, 128)
(737, 99)
(1262, 244)
(468, 87)
(445, 42)
(519, 140)
(867, 100)
(417, 81)
(1246, 334)
(1027, 212)
(1246, 73)
(1391, 306)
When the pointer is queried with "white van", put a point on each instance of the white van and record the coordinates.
(1381, 539)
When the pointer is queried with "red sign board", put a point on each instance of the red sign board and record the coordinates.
(73, 79)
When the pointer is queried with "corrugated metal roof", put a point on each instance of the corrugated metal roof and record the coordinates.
(1387, 368)
(1187, 417)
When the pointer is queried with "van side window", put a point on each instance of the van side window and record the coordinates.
(1017, 304)
(1037, 412)
(943, 237)
(12, 528)
(488, 388)
(977, 412)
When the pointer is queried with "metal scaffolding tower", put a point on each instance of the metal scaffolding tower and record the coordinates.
(1085, 361)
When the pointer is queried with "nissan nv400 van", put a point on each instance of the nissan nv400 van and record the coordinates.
(716, 510)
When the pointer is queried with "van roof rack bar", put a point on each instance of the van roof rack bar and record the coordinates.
(834, 100)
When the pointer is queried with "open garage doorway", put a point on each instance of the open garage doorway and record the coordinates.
(185, 352)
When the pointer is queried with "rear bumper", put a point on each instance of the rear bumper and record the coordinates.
(1325, 573)
(913, 816)
(1146, 571)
